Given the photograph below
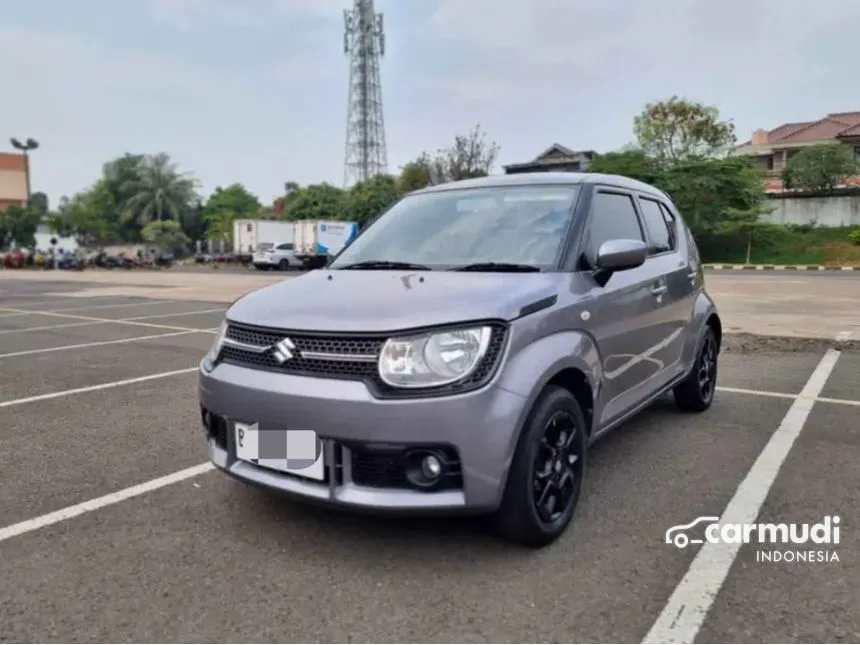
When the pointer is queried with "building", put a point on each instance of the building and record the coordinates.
(556, 158)
(13, 180)
(771, 149)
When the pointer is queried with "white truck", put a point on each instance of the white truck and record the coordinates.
(314, 241)
(248, 234)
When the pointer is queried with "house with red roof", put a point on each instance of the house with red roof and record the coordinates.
(771, 149)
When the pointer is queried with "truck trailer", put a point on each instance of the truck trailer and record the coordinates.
(248, 234)
(314, 241)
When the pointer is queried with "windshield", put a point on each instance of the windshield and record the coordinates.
(505, 224)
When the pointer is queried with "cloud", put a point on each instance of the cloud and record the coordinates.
(259, 14)
(522, 46)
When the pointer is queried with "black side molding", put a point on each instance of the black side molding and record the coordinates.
(538, 305)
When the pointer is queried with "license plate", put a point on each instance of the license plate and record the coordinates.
(298, 452)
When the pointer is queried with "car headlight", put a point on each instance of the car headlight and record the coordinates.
(212, 354)
(435, 359)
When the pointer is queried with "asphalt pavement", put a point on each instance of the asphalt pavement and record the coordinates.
(106, 536)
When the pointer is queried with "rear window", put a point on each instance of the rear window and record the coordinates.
(265, 246)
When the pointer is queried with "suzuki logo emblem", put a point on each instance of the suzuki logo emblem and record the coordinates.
(283, 351)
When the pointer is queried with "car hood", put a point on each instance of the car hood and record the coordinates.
(363, 301)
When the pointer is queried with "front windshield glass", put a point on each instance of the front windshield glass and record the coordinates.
(504, 224)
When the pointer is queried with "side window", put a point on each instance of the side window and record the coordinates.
(613, 217)
(661, 236)
(285, 247)
(671, 225)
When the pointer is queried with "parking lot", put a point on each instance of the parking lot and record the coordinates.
(114, 529)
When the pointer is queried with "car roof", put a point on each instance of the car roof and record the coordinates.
(546, 179)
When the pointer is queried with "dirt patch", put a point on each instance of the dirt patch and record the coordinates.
(743, 343)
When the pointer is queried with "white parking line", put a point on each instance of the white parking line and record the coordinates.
(95, 388)
(62, 348)
(740, 390)
(100, 502)
(31, 312)
(784, 395)
(54, 303)
(125, 321)
(102, 321)
(687, 608)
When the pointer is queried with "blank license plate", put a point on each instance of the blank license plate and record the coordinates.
(298, 452)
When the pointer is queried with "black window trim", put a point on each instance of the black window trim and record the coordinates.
(608, 189)
(659, 203)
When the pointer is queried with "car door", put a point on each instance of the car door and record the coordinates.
(622, 307)
(667, 256)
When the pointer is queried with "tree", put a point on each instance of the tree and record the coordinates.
(83, 217)
(159, 192)
(677, 130)
(18, 224)
(316, 201)
(167, 235)
(820, 167)
(369, 198)
(706, 191)
(39, 201)
(748, 225)
(224, 206)
(628, 163)
(114, 189)
(415, 175)
(471, 155)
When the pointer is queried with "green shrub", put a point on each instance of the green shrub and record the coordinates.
(854, 236)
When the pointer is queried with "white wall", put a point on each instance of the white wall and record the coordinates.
(831, 212)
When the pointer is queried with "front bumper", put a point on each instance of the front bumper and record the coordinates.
(479, 427)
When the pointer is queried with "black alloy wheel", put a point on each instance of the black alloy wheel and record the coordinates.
(557, 467)
(545, 479)
(696, 392)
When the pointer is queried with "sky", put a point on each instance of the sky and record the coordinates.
(255, 91)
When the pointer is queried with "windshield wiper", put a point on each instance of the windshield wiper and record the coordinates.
(385, 264)
(501, 267)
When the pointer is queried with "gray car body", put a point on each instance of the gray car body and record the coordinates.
(617, 347)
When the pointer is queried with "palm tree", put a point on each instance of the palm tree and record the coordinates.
(159, 192)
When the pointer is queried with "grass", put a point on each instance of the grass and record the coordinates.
(788, 245)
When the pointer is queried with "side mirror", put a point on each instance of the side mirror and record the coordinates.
(620, 255)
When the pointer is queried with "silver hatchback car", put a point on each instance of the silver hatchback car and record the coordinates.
(463, 353)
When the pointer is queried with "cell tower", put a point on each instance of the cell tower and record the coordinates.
(364, 43)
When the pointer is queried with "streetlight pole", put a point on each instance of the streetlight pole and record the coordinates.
(25, 147)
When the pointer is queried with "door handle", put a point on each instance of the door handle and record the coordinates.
(659, 290)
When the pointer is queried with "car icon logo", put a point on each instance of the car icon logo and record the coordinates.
(283, 351)
(677, 535)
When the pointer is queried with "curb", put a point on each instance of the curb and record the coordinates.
(779, 267)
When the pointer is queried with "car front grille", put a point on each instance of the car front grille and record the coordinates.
(351, 349)
(335, 356)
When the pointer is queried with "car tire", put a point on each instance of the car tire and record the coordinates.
(519, 518)
(696, 392)
(284, 265)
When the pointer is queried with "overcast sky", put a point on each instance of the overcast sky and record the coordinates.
(255, 90)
